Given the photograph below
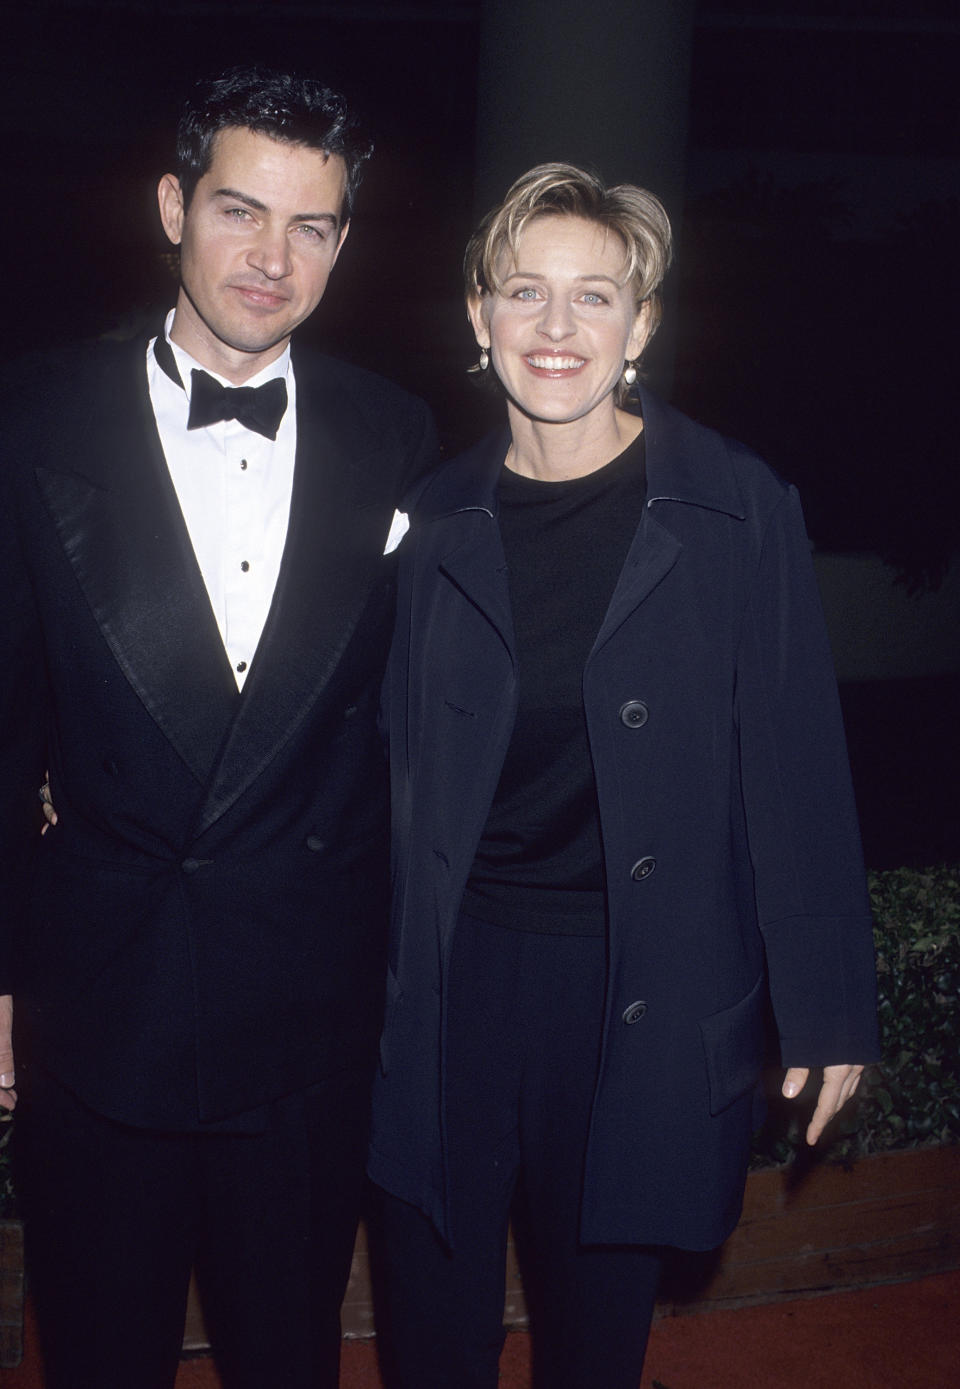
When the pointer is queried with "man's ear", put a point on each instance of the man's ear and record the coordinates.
(172, 211)
(341, 239)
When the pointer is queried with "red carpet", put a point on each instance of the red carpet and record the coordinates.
(897, 1336)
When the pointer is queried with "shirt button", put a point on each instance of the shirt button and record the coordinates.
(244, 565)
(241, 666)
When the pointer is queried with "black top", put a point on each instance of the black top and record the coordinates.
(539, 865)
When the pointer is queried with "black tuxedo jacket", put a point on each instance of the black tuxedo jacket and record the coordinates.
(203, 930)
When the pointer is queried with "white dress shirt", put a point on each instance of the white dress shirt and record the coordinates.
(234, 490)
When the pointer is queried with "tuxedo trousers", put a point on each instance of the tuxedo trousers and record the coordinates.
(117, 1216)
(524, 1015)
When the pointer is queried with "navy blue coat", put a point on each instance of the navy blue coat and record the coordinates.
(730, 840)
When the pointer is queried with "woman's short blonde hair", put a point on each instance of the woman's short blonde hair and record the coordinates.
(636, 216)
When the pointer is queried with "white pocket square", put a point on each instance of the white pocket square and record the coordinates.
(398, 529)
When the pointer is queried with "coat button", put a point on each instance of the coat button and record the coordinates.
(315, 843)
(635, 1012)
(190, 865)
(642, 869)
(634, 713)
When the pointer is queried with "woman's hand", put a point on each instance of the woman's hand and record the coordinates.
(839, 1083)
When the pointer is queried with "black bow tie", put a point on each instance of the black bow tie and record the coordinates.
(260, 408)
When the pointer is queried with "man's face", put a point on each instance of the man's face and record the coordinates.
(257, 245)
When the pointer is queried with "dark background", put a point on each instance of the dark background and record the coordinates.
(813, 307)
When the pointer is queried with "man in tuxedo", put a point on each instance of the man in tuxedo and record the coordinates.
(195, 550)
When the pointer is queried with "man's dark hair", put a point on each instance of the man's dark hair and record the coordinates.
(282, 105)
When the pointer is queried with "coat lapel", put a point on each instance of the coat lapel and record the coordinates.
(679, 469)
(478, 567)
(652, 554)
(120, 525)
(462, 500)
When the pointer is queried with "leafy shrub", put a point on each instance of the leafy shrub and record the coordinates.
(914, 1096)
(6, 1186)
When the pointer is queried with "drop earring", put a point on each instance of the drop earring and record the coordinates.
(630, 373)
(483, 363)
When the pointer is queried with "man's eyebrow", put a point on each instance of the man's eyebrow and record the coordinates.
(330, 217)
(249, 201)
(239, 197)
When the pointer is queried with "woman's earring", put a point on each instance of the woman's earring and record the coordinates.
(630, 373)
(483, 363)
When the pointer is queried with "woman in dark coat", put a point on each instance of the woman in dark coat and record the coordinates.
(623, 824)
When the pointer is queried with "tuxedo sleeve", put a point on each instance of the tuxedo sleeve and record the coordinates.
(804, 839)
(423, 447)
(23, 709)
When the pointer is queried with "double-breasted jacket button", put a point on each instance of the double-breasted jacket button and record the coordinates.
(190, 865)
(643, 868)
(315, 843)
(635, 1012)
(634, 713)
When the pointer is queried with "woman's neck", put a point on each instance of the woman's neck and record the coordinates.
(555, 452)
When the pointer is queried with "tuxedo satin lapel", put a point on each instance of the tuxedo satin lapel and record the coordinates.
(332, 560)
(121, 528)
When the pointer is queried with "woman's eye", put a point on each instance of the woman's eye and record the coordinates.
(526, 294)
(592, 298)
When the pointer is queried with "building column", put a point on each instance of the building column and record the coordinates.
(601, 83)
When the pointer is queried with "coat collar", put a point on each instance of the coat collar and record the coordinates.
(685, 462)
(466, 483)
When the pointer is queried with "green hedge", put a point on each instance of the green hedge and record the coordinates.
(913, 1096)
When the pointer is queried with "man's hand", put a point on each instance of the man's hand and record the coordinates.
(49, 814)
(839, 1083)
(8, 1096)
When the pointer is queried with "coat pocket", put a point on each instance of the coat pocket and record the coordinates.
(733, 1047)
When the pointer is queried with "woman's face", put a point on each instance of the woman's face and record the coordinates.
(564, 320)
